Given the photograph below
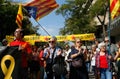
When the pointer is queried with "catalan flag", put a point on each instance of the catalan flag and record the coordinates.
(19, 17)
(44, 7)
(114, 8)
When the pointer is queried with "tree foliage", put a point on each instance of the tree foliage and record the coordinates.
(8, 12)
(98, 8)
(79, 15)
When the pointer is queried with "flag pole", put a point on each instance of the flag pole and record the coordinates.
(37, 22)
(42, 27)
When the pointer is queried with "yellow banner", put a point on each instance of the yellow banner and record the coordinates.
(84, 37)
(34, 38)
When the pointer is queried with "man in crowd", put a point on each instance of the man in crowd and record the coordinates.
(50, 54)
(25, 49)
(4, 42)
(111, 49)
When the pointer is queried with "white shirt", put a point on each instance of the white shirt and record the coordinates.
(67, 53)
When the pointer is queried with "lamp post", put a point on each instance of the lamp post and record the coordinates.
(108, 28)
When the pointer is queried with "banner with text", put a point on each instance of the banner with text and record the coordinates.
(34, 38)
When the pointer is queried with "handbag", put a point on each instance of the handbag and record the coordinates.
(77, 63)
(59, 69)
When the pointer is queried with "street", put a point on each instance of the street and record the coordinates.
(91, 76)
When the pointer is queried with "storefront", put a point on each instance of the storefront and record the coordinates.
(115, 29)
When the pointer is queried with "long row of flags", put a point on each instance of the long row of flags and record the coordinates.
(36, 9)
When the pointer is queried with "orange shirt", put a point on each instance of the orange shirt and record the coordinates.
(27, 48)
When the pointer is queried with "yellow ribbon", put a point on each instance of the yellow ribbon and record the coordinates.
(118, 59)
(7, 72)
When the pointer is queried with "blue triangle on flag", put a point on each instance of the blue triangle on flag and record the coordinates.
(32, 11)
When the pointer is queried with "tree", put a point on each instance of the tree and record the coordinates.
(100, 8)
(8, 12)
(79, 15)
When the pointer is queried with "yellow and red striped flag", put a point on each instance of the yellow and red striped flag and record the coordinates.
(19, 17)
(114, 8)
(44, 7)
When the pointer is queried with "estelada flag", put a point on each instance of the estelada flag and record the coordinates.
(44, 7)
(10, 62)
(32, 11)
(19, 17)
(114, 8)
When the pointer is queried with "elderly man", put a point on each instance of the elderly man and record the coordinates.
(110, 46)
(50, 54)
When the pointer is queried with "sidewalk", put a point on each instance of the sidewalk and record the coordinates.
(91, 75)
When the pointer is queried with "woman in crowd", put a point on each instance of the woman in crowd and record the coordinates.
(117, 57)
(87, 58)
(42, 62)
(67, 61)
(78, 68)
(92, 58)
(103, 59)
(34, 64)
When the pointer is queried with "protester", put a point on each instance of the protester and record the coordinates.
(42, 62)
(78, 68)
(111, 49)
(4, 42)
(50, 54)
(110, 46)
(34, 63)
(117, 57)
(25, 50)
(67, 50)
(87, 58)
(97, 43)
(103, 60)
(92, 58)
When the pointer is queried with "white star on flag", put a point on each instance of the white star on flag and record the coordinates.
(31, 11)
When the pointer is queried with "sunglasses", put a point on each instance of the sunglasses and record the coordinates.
(51, 41)
(78, 42)
(106, 40)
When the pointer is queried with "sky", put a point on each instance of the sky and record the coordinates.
(51, 22)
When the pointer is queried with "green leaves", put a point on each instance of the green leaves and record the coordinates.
(79, 15)
(8, 13)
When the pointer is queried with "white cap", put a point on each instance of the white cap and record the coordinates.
(101, 44)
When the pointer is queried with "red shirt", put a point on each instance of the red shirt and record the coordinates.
(103, 62)
(27, 48)
(41, 56)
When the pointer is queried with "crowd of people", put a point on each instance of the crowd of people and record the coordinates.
(51, 61)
